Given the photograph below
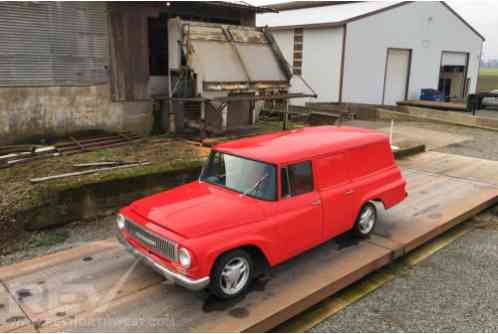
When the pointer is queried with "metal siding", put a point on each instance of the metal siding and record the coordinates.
(428, 28)
(53, 43)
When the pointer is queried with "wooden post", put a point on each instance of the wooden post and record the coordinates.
(163, 117)
(286, 115)
(203, 120)
(172, 118)
(171, 112)
(224, 118)
(253, 112)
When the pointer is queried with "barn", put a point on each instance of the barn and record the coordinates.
(377, 52)
(67, 67)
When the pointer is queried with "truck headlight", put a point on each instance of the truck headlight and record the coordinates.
(121, 221)
(184, 258)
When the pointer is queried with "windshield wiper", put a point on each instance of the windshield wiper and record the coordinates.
(256, 185)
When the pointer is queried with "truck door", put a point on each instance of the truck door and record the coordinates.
(336, 191)
(299, 212)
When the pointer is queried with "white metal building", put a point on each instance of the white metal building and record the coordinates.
(377, 52)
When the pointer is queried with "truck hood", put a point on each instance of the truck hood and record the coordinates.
(197, 209)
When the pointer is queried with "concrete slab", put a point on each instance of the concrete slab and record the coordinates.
(408, 135)
(112, 292)
(404, 134)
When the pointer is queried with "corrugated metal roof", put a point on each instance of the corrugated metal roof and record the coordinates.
(53, 43)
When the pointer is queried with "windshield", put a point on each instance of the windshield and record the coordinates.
(248, 177)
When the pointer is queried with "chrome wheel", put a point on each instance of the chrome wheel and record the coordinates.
(367, 220)
(234, 276)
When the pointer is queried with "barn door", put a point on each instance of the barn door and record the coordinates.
(397, 76)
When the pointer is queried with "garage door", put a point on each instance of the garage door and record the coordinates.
(397, 74)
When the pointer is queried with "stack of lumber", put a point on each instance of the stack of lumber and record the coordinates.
(94, 143)
(11, 155)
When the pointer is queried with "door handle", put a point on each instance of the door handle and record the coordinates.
(317, 202)
(349, 192)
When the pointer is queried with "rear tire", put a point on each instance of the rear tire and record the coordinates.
(232, 274)
(366, 221)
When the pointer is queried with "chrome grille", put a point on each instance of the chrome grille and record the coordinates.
(164, 247)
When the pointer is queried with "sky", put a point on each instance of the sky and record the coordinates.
(481, 14)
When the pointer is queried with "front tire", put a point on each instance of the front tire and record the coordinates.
(366, 221)
(232, 274)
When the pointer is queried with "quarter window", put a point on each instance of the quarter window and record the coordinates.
(297, 179)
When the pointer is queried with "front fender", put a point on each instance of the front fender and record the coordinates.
(259, 243)
(211, 247)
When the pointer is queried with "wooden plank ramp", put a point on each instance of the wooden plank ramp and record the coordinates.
(99, 287)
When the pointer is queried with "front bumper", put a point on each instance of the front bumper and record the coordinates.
(194, 285)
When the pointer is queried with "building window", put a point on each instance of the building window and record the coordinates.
(297, 65)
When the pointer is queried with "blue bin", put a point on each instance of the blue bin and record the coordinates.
(430, 94)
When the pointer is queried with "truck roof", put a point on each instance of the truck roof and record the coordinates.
(301, 144)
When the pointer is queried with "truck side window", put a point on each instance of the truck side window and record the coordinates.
(297, 179)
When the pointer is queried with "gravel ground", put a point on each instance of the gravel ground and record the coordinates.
(48, 241)
(455, 290)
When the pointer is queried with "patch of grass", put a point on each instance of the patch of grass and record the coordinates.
(104, 154)
(488, 80)
(48, 238)
(273, 126)
(44, 193)
(489, 72)
(122, 174)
